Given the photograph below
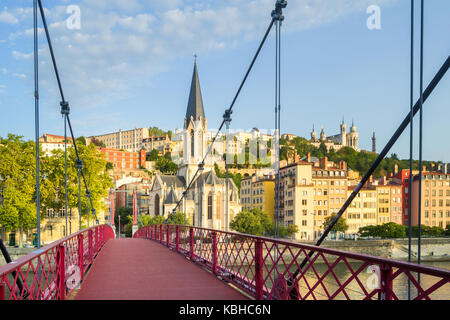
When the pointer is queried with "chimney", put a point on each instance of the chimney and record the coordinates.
(384, 180)
(308, 157)
(395, 169)
(445, 168)
(324, 163)
(371, 179)
(343, 165)
(439, 167)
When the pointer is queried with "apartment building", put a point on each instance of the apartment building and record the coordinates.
(330, 191)
(258, 192)
(402, 178)
(130, 140)
(363, 210)
(125, 159)
(296, 197)
(435, 202)
(51, 142)
(162, 143)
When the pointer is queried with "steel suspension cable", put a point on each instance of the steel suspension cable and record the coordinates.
(277, 142)
(419, 236)
(65, 170)
(65, 110)
(411, 145)
(36, 124)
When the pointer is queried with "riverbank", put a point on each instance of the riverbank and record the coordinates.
(432, 249)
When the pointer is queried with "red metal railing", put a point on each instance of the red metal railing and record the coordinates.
(55, 271)
(264, 267)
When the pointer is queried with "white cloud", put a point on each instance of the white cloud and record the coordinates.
(7, 17)
(21, 56)
(20, 75)
(121, 43)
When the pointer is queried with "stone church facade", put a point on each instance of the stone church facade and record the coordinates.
(206, 202)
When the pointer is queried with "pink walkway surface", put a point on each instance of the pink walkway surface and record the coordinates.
(139, 269)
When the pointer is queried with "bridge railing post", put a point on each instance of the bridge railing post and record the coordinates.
(81, 255)
(259, 282)
(177, 238)
(2, 291)
(214, 251)
(61, 272)
(191, 243)
(94, 242)
(161, 234)
(90, 244)
(385, 283)
(168, 235)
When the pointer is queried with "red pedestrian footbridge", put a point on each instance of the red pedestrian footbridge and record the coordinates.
(168, 262)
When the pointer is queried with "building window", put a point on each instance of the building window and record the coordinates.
(210, 206)
(157, 205)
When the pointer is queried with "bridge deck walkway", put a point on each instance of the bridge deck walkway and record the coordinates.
(139, 269)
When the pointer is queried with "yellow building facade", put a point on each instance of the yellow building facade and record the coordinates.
(258, 192)
(363, 210)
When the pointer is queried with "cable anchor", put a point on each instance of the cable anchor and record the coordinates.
(277, 14)
(65, 110)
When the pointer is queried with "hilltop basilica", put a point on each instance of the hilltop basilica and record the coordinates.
(205, 204)
(336, 142)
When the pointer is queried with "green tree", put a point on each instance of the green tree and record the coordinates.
(156, 132)
(81, 140)
(166, 166)
(17, 185)
(153, 156)
(177, 218)
(95, 173)
(126, 216)
(340, 226)
(129, 227)
(157, 220)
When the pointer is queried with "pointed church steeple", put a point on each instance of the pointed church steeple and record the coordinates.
(195, 104)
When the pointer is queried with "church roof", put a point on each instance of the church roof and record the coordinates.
(171, 197)
(173, 181)
(210, 178)
(195, 104)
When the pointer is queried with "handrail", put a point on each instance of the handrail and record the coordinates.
(249, 262)
(54, 271)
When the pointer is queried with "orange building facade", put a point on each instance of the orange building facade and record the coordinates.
(125, 159)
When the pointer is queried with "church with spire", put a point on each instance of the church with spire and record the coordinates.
(206, 204)
(337, 141)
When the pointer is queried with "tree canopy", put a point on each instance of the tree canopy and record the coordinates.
(17, 184)
(340, 226)
(18, 181)
(391, 230)
(257, 222)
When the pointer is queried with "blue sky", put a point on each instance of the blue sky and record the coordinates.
(131, 63)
